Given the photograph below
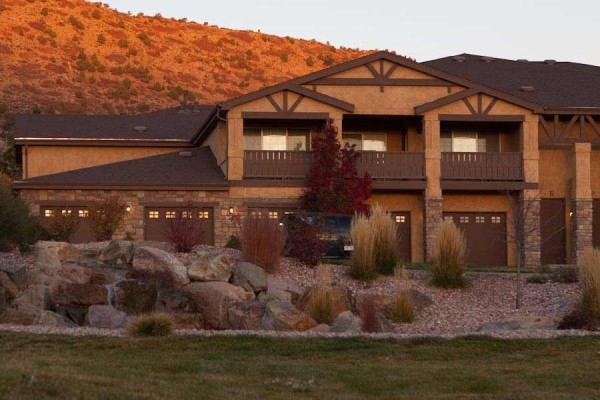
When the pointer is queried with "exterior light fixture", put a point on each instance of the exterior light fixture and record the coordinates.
(128, 208)
(231, 210)
(571, 214)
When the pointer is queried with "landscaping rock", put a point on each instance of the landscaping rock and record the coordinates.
(420, 300)
(23, 315)
(135, 297)
(100, 277)
(174, 299)
(75, 274)
(10, 289)
(210, 267)
(213, 299)
(159, 267)
(249, 276)
(36, 296)
(18, 274)
(322, 328)
(76, 314)
(187, 321)
(117, 252)
(283, 290)
(3, 299)
(520, 323)
(338, 296)
(80, 294)
(155, 245)
(106, 317)
(49, 256)
(347, 322)
(246, 315)
(283, 316)
(49, 318)
(83, 257)
(384, 325)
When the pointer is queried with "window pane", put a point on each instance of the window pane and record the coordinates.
(252, 139)
(274, 139)
(353, 139)
(446, 142)
(298, 139)
(464, 141)
(374, 142)
(491, 142)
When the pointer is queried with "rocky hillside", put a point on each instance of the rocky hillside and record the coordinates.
(73, 56)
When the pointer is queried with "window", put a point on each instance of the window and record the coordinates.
(496, 220)
(296, 139)
(186, 214)
(171, 215)
(153, 214)
(66, 212)
(480, 220)
(203, 214)
(400, 219)
(83, 213)
(464, 220)
(469, 141)
(48, 213)
(366, 141)
(273, 215)
(448, 218)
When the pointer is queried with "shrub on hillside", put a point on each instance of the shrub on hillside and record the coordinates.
(61, 226)
(303, 242)
(106, 216)
(76, 23)
(185, 232)
(362, 262)
(263, 241)
(17, 225)
(385, 244)
(157, 324)
(449, 251)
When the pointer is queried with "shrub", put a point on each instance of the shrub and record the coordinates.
(156, 324)
(96, 14)
(449, 252)
(123, 43)
(310, 61)
(402, 308)
(233, 243)
(5, 180)
(17, 225)
(362, 264)
(105, 217)
(61, 226)
(565, 275)
(263, 241)
(145, 38)
(385, 241)
(185, 233)
(537, 279)
(370, 316)
(76, 23)
(303, 242)
(101, 39)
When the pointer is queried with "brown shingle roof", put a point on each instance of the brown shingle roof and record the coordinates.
(194, 168)
(170, 124)
(556, 85)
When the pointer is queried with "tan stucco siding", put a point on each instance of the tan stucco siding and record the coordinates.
(595, 173)
(555, 173)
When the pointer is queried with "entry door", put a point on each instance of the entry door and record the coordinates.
(485, 234)
(402, 221)
(552, 231)
(157, 219)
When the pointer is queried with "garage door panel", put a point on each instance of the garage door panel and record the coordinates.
(83, 232)
(157, 219)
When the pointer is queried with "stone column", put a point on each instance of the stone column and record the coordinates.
(432, 202)
(582, 203)
(530, 198)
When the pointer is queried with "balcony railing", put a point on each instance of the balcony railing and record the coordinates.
(267, 164)
(482, 166)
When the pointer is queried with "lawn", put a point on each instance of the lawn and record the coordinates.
(251, 368)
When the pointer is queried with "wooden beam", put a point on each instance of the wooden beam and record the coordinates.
(574, 118)
(373, 70)
(545, 126)
(481, 118)
(469, 106)
(581, 126)
(296, 104)
(274, 103)
(556, 127)
(391, 71)
(377, 82)
(490, 106)
(593, 124)
(284, 115)
(479, 103)
(285, 100)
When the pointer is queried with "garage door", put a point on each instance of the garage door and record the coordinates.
(402, 220)
(486, 236)
(157, 219)
(552, 231)
(83, 233)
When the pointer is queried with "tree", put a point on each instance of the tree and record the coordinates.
(333, 183)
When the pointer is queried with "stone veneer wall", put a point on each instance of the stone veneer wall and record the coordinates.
(134, 220)
(582, 227)
(433, 211)
(533, 239)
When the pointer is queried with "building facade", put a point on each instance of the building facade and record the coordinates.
(495, 145)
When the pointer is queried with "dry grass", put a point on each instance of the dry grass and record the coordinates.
(263, 241)
(156, 324)
(386, 240)
(370, 316)
(590, 280)
(362, 264)
(321, 309)
(402, 308)
(449, 253)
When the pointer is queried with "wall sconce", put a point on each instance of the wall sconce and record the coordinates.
(128, 208)
(571, 214)
(231, 210)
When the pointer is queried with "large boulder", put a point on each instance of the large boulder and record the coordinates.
(117, 252)
(249, 276)
(213, 300)
(347, 322)
(283, 290)
(159, 267)
(10, 289)
(106, 317)
(74, 273)
(49, 318)
(174, 300)
(18, 274)
(36, 296)
(337, 295)
(49, 256)
(187, 320)
(83, 257)
(246, 315)
(21, 315)
(80, 294)
(209, 267)
(283, 316)
(519, 323)
(135, 297)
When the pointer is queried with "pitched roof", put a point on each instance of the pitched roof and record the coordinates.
(549, 84)
(194, 168)
(173, 124)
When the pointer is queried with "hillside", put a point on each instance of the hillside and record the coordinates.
(73, 56)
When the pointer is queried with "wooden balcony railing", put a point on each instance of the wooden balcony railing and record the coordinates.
(267, 164)
(482, 166)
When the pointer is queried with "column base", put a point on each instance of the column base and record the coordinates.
(581, 228)
(432, 209)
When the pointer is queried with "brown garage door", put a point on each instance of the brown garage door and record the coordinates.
(402, 220)
(552, 231)
(485, 234)
(156, 221)
(83, 233)
(596, 224)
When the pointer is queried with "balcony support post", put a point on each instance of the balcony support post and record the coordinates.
(432, 203)
(582, 202)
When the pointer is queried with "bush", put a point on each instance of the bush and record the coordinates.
(145, 38)
(303, 242)
(105, 217)
(565, 275)
(362, 262)
(61, 226)
(449, 252)
(5, 180)
(17, 224)
(386, 240)
(370, 316)
(537, 279)
(402, 308)
(76, 23)
(157, 324)
(322, 308)
(263, 241)
(100, 38)
(233, 243)
(185, 233)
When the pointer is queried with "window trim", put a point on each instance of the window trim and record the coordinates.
(362, 138)
(477, 134)
(287, 133)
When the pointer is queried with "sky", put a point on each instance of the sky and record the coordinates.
(422, 29)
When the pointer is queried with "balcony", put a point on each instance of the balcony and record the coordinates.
(482, 166)
(385, 168)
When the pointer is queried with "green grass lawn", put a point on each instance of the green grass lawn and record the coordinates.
(259, 368)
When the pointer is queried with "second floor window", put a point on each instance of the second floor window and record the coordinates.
(466, 141)
(366, 141)
(294, 139)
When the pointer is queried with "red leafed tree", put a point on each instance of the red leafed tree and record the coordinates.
(333, 184)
